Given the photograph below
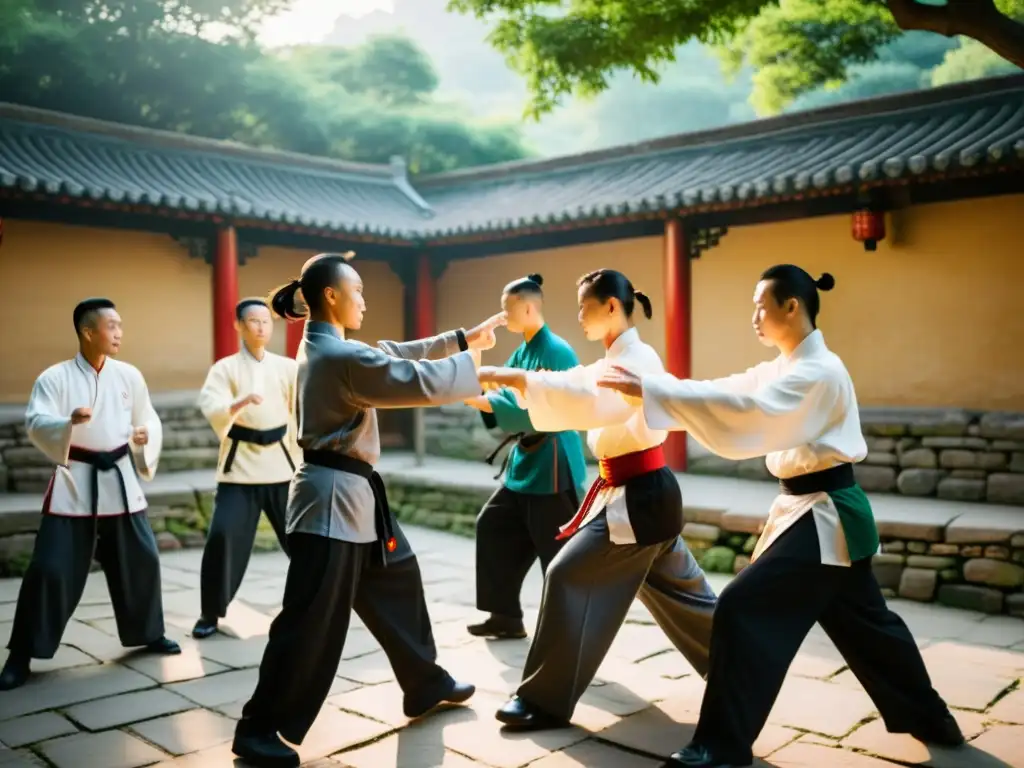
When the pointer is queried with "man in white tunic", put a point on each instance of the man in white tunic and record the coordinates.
(625, 537)
(813, 560)
(249, 400)
(93, 418)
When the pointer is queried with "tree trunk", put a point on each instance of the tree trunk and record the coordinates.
(977, 19)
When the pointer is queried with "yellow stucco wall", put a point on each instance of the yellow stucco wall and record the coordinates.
(163, 296)
(931, 318)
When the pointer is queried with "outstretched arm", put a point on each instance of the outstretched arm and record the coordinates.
(374, 379)
(786, 413)
(562, 400)
(446, 344)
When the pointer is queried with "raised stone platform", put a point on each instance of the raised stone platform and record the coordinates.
(963, 554)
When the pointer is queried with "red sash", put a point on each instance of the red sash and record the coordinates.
(615, 472)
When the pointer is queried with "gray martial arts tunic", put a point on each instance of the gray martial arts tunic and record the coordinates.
(340, 384)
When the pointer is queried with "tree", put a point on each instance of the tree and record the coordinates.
(573, 47)
(194, 66)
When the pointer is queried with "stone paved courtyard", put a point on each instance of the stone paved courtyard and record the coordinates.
(97, 706)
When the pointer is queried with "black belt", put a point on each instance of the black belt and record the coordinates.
(239, 434)
(833, 479)
(382, 511)
(523, 439)
(102, 461)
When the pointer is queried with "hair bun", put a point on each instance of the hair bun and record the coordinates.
(535, 278)
(826, 282)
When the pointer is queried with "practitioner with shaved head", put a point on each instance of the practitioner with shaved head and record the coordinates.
(347, 550)
(92, 417)
(544, 472)
(249, 400)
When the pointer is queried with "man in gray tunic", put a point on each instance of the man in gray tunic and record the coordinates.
(347, 550)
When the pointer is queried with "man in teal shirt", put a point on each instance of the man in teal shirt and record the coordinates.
(544, 473)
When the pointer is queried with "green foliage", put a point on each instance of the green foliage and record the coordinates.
(795, 47)
(193, 66)
(970, 61)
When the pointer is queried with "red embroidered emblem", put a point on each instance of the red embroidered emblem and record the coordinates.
(392, 545)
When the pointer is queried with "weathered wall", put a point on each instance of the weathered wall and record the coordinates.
(163, 295)
(930, 319)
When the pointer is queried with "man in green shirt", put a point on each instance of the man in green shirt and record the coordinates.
(543, 473)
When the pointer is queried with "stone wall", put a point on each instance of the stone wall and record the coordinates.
(982, 577)
(189, 443)
(948, 454)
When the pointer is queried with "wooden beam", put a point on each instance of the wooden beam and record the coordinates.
(225, 293)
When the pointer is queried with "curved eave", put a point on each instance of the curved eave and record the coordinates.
(899, 171)
(845, 180)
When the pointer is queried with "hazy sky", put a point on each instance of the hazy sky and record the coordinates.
(309, 21)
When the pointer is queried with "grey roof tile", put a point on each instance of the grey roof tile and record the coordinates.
(938, 131)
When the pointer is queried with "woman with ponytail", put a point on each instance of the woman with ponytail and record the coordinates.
(813, 560)
(347, 551)
(625, 539)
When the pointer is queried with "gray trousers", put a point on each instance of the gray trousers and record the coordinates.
(588, 591)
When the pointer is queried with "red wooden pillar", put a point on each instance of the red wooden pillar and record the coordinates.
(294, 332)
(225, 293)
(678, 328)
(425, 300)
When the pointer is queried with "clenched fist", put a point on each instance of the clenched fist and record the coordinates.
(140, 436)
(81, 415)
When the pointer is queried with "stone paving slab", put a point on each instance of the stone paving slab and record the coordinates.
(179, 712)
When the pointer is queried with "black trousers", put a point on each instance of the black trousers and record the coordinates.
(125, 548)
(762, 618)
(588, 591)
(327, 580)
(512, 531)
(236, 514)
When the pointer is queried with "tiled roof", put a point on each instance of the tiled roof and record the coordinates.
(963, 128)
(42, 151)
(967, 126)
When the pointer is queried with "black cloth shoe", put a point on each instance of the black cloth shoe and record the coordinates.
(521, 715)
(15, 673)
(696, 756)
(165, 646)
(499, 627)
(451, 693)
(263, 749)
(204, 628)
(942, 733)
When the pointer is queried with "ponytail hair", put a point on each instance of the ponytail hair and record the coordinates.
(283, 301)
(301, 297)
(604, 284)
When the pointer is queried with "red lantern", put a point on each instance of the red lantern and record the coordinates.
(868, 228)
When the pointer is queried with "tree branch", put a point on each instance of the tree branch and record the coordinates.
(977, 19)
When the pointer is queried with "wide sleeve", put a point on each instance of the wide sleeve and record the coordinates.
(48, 427)
(375, 379)
(788, 412)
(746, 382)
(216, 398)
(508, 415)
(434, 348)
(144, 415)
(564, 400)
